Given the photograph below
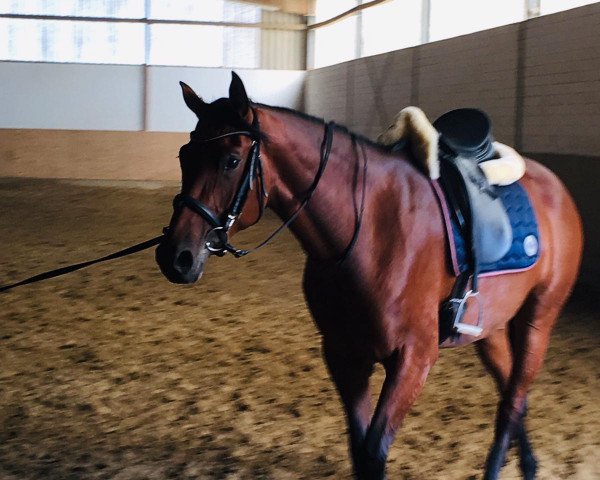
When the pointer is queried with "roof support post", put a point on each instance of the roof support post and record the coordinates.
(425, 21)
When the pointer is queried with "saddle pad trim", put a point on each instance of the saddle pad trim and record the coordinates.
(455, 267)
(439, 194)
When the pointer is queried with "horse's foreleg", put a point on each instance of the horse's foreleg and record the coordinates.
(351, 377)
(496, 354)
(406, 371)
(530, 336)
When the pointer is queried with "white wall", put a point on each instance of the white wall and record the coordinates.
(71, 96)
(111, 97)
(167, 111)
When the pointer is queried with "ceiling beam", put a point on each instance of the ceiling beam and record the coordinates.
(347, 13)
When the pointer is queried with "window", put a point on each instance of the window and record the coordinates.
(398, 24)
(335, 43)
(71, 40)
(391, 26)
(205, 10)
(459, 17)
(205, 45)
(553, 6)
(81, 8)
(186, 45)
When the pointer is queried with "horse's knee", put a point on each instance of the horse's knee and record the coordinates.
(511, 414)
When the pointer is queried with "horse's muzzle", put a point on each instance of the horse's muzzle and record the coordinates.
(180, 264)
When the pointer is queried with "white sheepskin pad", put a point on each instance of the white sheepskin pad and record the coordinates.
(506, 169)
(413, 125)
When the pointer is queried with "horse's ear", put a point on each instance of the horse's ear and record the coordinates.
(193, 101)
(238, 96)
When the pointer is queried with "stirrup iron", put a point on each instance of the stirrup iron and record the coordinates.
(461, 308)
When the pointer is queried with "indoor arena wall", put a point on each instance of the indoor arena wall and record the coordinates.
(539, 81)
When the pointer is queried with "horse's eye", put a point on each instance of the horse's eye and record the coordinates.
(232, 162)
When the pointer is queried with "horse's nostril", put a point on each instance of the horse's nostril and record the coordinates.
(184, 262)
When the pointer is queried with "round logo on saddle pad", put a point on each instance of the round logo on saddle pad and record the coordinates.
(530, 245)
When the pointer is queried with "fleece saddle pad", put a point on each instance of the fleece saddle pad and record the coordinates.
(525, 247)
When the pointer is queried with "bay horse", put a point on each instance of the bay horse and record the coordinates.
(376, 261)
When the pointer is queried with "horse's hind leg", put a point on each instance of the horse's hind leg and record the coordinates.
(529, 337)
(496, 354)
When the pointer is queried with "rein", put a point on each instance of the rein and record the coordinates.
(217, 240)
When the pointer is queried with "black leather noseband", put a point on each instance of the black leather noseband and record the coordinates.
(217, 241)
(206, 213)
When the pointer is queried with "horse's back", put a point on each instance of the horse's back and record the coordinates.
(561, 233)
(552, 277)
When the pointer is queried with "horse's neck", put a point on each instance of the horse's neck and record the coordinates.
(327, 224)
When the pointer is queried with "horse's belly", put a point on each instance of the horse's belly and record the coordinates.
(500, 298)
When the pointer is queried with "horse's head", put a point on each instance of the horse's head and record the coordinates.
(218, 165)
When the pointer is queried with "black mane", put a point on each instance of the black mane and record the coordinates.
(225, 114)
(321, 121)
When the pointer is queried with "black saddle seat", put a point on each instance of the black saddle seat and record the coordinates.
(468, 132)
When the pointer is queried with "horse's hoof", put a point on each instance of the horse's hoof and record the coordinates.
(370, 468)
(529, 466)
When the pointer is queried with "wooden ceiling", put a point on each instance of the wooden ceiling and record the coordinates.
(302, 7)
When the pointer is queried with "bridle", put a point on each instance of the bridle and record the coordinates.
(217, 241)
(217, 238)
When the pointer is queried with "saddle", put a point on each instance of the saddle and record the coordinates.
(459, 153)
(468, 133)
(465, 141)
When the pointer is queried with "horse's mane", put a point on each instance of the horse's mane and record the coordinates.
(321, 121)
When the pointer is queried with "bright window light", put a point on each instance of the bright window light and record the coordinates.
(326, 9)
(459, 17)
(205, 46)
(71, 41)
(553, 6)
(334, 43)
(124, 43)
(90, 8)
(204, 10)
(241, 47)
(391, 26)
(186, 45)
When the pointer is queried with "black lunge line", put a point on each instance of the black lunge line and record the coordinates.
(78, 266)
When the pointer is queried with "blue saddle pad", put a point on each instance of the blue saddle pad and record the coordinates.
(525, 248)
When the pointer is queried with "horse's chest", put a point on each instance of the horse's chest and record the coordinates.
(347, 312)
